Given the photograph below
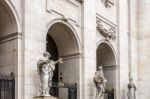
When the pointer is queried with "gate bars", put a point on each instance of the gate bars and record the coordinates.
(7, 86)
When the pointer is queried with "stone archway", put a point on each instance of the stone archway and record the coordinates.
(65, 45)
(106, 58)
(8, 39)
(8, 23)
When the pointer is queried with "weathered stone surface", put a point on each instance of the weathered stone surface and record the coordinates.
(77, 41)
(65, 8)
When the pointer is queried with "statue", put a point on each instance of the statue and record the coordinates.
(131, 89)
(61, 82)
(100, 82)
(45, 68)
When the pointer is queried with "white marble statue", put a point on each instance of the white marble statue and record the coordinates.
(45, 68)
(131, 89)
(100, 82)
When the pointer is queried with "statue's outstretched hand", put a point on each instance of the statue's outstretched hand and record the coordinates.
(61, 60)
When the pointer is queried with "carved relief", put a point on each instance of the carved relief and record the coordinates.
(65, 8)
(106, 30)
(108, 3)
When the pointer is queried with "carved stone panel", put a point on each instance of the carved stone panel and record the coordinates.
(66, 8)
(106, 29)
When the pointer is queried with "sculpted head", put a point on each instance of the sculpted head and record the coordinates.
(100, 68)
(131, 78)
(47, 54)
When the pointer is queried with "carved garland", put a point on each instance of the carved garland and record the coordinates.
(108, 33)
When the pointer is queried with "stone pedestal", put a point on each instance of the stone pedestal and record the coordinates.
(45, 97)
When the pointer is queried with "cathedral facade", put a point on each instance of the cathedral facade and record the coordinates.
(114, 34)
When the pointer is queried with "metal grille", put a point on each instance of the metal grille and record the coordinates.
(72, 90)
(7, 86)
(109, 95)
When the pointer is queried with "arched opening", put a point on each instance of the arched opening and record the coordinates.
(8, 24)
(106, 59)
(61, 42)
(8, 30)
(8, 48)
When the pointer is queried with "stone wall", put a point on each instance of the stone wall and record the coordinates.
(40, 16)
(89, 48)
(8, 57)
(77, 40)
(143, 48)
(123, 48)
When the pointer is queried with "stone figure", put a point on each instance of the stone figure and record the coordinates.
(131, 89)
(100, 82)
(45, 68)
(61, 82)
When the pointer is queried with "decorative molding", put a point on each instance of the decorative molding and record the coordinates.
(64, 19)
(72, 56)
(108, 31)
(10, 37)
(107, 68)
(106, 21)
(108, 3)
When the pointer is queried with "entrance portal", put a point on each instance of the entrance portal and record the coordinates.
(8, 51)
(8, 31)
(106, 59)
(61, 42)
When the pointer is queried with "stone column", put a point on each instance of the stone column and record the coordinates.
(143, 48)
(132, 21)
(123, 47)
(89, 48)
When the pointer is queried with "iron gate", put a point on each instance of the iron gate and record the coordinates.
(72, 91)
(7, 86)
